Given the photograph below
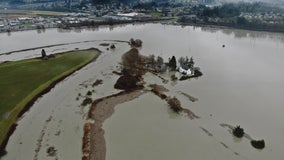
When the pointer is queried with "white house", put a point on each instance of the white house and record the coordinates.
(2, 24)
(184, 71)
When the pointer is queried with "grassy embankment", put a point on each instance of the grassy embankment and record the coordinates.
(22, 81)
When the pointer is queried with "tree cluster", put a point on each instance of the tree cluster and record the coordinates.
(226, 10)
(172, 63)
(174, 104)
(238, 132)
(135, 43)
(186, 63)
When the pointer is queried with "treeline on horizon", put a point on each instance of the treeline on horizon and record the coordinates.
(229, 15)
(234, 9)
(94, 1)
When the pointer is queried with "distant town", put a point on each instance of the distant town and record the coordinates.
(19, 15)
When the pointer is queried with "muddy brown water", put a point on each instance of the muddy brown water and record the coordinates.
(242, 85)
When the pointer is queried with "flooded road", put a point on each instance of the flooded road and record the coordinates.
(242, 85)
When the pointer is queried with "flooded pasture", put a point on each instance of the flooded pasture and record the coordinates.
(242, 85)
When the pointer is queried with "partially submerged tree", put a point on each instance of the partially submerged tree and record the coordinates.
(258, 144)
(160, 60)
(87, 101)
(175, 105)
(127, 82)
(131, 41)
(186, 63)
(152, 60)
(191, 63)
(43, 54)
(238, 132)
(131, 59)
(132, 70)
(135, 43)
(138, 43)
(181, 61)
(173, 63)
(112, 46)
(89, 93)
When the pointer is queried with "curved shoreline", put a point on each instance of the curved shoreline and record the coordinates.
(94, 147)
(55, 45)
(220, 26)
(32, 101)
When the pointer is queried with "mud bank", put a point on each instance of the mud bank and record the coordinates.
(33, 100)
(94, 147)
(159, 90)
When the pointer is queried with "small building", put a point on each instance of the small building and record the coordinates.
(2, 25)
(185, 71)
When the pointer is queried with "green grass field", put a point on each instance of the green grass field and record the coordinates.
(155, 14)
(33, 12)
(22, 80)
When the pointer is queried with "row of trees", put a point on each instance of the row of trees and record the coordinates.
(184, 62)
(112, 1)
(226, 10)
(234, 9)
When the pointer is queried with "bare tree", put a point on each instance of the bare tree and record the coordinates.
(160, 60)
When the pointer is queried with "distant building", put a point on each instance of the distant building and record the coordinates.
(2, 25)
(185, 71)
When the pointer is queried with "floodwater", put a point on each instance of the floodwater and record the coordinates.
(242, 85)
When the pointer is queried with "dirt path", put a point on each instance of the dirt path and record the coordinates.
(101, 110)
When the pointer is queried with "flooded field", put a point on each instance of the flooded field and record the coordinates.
(242, 85)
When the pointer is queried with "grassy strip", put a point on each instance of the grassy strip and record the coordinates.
(155, 14)
(32, 12)
(22, 82)
(48, 13)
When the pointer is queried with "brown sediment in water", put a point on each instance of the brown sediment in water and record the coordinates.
(191, 98)
(94, 147)
(159, 90)
(162, 78)
(128, 82)
(131, 81)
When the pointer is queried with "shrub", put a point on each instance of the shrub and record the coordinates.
(112, 46)
(175, 105)
(127, 82)
(258, 144)
(87, 101)
(51, 151)
(173, 77)
(238, 132)
(97, 82)
(89, 93)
